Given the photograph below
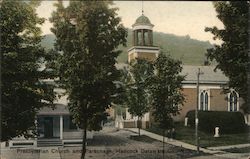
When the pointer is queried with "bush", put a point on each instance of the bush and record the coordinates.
(228, 122)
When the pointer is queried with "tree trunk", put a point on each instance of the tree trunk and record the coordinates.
(139, 131)
(84, 139)
(163, 134)
(84, 143)
(139, 126)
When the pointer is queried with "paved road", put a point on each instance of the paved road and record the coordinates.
(109, 144)
(112, 144)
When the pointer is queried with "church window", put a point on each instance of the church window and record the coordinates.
(233, 101)
(204, 101)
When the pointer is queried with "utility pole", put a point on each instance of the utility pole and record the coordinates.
(196, 112)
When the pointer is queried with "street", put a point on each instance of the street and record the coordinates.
(109, 143)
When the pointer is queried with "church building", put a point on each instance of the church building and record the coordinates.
(211, 96)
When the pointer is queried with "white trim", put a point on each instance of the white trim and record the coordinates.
(157, 55)
(61, 127)
(207, 87)
(143, 51)
(153, 48)
(201, 87)
(142, 27)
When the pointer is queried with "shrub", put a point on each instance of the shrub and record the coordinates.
(228, 122)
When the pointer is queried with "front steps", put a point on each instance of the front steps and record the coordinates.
(49, 142)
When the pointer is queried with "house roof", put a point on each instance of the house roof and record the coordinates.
(60, 105)
(60, 109)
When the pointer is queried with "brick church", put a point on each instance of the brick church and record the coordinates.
(211, 96)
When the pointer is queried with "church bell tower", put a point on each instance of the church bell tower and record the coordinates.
(142, 40)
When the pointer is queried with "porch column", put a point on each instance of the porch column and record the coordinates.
(61, 127)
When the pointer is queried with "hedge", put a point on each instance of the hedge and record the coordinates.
(228, 122)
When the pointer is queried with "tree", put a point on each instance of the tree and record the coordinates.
(23, 89)
(138, 77)
(166, 91)
(232, 55)
(87, 35)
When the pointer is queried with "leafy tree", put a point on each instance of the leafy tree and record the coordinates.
(137, 88)
(232, 55)
(166, 90)
(23, 89)
(87, 35)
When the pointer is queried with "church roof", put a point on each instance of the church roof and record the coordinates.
(209, 76)
(142, 20)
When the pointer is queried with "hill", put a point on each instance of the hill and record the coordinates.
(189, 51)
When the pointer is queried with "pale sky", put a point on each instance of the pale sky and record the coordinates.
(173, 17)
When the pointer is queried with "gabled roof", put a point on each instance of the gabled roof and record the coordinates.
(209, 76)
(60, 105)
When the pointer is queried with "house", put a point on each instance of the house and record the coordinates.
(212, 83)
(54, 127)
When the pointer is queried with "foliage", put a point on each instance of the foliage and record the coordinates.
(166, 90)
(137, 87)
(228, 122)
(23, 87)
(138, 98)
(87, 35)
(232, 55)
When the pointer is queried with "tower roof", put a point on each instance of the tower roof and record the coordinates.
(142, 20)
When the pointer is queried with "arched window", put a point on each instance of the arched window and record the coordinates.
(201, 100)
(204, 100)
(233, 101)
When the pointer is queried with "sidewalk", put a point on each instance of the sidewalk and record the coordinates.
(189, 146)
(229, 147)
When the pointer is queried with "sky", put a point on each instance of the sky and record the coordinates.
(174, 17)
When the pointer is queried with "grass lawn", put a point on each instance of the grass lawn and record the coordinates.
(187, 134)
(238, 150)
